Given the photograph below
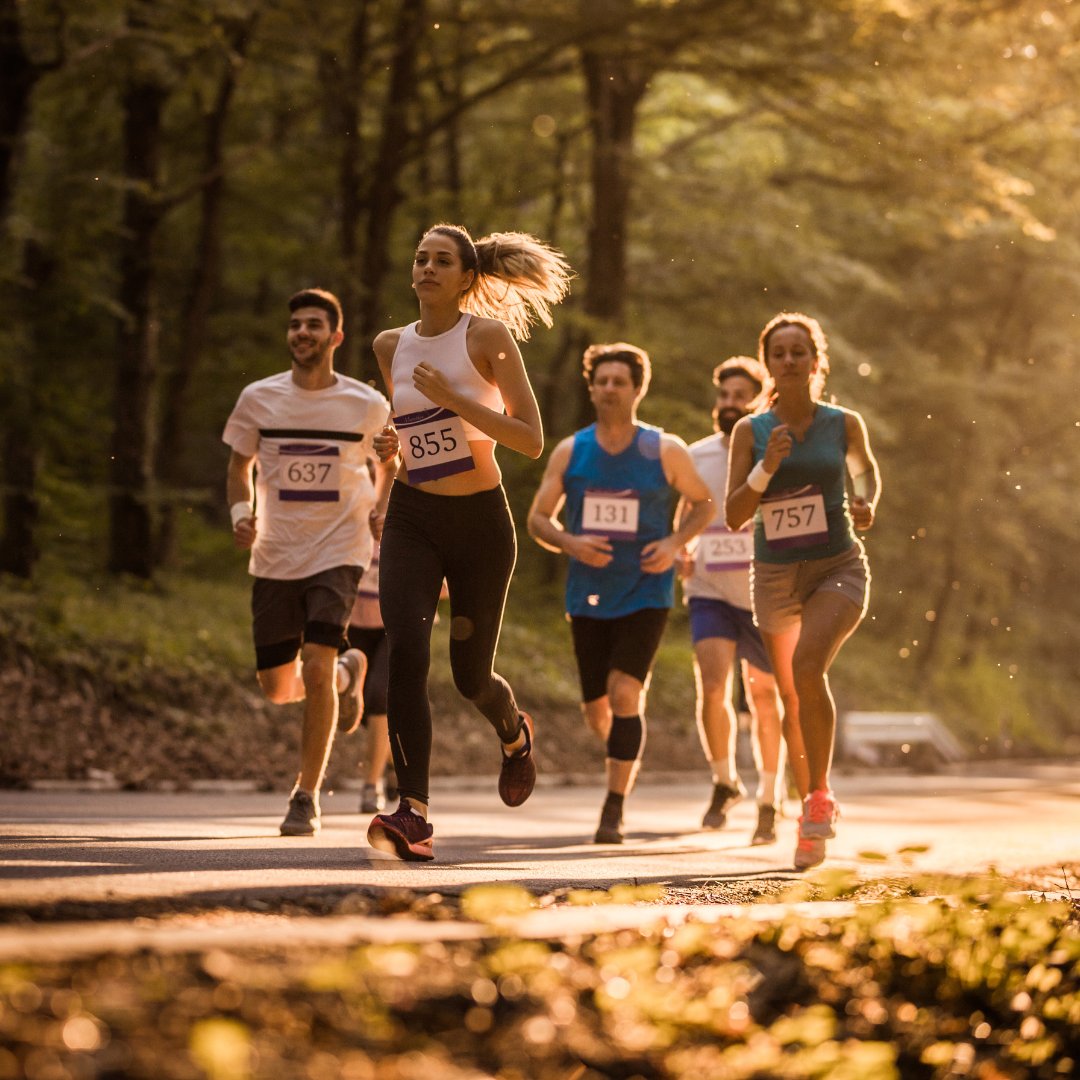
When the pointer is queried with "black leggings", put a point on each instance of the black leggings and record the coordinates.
(469, 540)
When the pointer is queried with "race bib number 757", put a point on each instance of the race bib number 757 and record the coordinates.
(795, 518)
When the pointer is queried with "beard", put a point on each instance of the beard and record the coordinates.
(726, 419)
(311, 357)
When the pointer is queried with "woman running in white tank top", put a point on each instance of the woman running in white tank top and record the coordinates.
(458, 387)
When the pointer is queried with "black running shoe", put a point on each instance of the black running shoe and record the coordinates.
(302, 818)
(609, 831)
(517, 777)
(765, 833)
(724, 797)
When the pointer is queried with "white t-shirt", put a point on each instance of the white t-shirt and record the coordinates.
(313, 487)
(722, 559)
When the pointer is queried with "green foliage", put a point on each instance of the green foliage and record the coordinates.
(986, 984)
(905, 171)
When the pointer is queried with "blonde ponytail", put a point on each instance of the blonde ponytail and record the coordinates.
(518, 277)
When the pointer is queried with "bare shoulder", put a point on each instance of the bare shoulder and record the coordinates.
(488, 333)
(670, 443)
(386, 343)
(560, 456)
(853, 421)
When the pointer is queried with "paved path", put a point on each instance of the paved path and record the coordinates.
(108, 846)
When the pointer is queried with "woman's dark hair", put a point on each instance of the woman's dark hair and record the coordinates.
(818, 343)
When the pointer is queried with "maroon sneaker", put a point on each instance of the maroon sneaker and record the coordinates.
(517, 777)
(403, 833)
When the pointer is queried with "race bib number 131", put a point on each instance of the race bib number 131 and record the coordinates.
(613, 514)
(433, 444)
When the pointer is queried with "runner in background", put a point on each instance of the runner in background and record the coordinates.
(716, 586)
(811, 584)
(301, 497)
(617, 481)
(367, 634)
(459, 387)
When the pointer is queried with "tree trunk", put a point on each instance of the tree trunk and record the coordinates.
(21, 409)
(615, 83)
(18, 74)
(20, 446)
(131, 537)
(345, 84)
(204, 284)
(384, 192)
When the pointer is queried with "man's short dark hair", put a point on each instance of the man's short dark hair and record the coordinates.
(637, 360)
(319, 298)
(745, 366)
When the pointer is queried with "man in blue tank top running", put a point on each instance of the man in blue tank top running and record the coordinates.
(616, 482)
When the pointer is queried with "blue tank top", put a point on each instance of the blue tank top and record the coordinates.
(814, 467)
(604, 493)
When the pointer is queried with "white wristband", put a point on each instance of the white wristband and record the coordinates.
(241, 511)
(758, 480)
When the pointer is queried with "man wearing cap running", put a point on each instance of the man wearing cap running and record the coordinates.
(306, 435)
(716, 586)
(617, 481)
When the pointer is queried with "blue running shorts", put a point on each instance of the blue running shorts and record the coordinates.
(719, 619)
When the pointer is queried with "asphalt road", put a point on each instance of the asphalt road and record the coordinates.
(118, 846)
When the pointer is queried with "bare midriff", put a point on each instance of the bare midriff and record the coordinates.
(483, 477)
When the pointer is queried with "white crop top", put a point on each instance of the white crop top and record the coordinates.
(448, 353)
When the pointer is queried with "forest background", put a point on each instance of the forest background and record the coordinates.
(904, 170)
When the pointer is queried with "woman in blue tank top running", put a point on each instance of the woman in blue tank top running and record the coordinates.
(789, 470)
(458, 387)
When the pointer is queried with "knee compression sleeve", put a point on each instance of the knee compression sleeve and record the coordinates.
(627, 738)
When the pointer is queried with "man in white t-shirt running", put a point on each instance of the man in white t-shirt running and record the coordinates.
(716, 586)
(306, 435)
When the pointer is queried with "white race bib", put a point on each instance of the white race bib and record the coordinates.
(309, 472)
(795, 518)
(721, 549)
(433, 444)
(613, 514)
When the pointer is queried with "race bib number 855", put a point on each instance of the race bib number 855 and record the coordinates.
(433, 444)
(795, 518)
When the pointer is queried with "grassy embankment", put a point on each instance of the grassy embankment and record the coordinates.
(153, 682)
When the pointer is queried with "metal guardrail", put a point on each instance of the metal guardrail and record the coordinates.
(920, 740)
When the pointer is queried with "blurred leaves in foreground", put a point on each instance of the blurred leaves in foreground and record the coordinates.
(984, 986)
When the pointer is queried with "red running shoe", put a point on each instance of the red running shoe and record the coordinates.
(403, 833)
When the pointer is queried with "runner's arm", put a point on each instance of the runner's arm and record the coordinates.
(741, 500)
(864, 472)
(239, 488)
(543, 525)
(659, 555)
(542, 521)
(386, 442)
